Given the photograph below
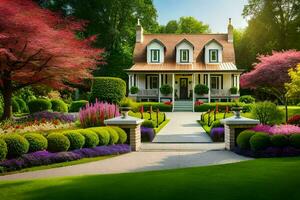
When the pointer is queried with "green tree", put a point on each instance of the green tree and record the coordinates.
(293, 87)
(192, 25)
(171, 27)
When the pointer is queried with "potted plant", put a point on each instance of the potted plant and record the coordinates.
(134, 90)
(233, 90)
(201, 89)
(125, 107)
(166, 89)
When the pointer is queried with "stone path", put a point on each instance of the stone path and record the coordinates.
(136, 162)
(182, 128)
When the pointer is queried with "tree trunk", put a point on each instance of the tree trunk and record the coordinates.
(7, 98)
(286, 110)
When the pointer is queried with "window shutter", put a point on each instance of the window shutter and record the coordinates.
(199, 79)
(222, 82)
(166, 79)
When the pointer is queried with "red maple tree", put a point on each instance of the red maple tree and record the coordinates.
(38, 46)
(271, 74)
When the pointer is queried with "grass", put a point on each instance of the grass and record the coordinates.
(63, 164)
(259, 179)
(156, 130)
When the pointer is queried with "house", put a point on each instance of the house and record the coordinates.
(184, 61)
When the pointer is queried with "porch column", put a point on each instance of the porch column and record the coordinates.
(159, 85)
(193, 85)
(238, 83)
(208, 84)
(129, 82)
(173, 93)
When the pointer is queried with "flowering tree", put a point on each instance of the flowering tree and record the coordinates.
(37, 46)
(271, 74)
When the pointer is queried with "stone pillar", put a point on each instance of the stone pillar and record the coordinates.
(135, 137)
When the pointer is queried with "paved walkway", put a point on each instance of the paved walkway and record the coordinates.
(136, 162)
(182, 128)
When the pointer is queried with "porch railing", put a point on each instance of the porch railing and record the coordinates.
(148, 92)
(220, 92)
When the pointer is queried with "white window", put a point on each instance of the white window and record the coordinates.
(213, 55)
(152, 82)
(155, 55)
(215, 82)
(184, 55)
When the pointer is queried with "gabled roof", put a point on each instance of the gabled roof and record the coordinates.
(157, 41)
(215, 41)
(184, 41)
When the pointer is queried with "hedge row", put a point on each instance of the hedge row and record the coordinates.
(221, 106)
(257, 141)
(161, 106)
(15, 145)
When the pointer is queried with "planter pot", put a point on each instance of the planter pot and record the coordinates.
(237, 111)
(124, 111)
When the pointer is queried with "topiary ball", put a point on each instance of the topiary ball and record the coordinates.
(201, 89)
(259, 141)
(243, 139)
(91, 138)
(37, 142)
(59, 105)
(166, 89)
(17, 145)
(295, 140)
(58, 142)
(76, 139)
(122, 134)
(279, 141)
(3, 149)
(39, 105)
(103, 135)
(114, 136)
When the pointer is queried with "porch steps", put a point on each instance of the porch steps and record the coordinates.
(183, 106)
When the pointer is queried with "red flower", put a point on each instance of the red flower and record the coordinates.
(168, 103)
(199, 102)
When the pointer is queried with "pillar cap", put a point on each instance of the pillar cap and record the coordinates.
(123, 121)
(239, 121)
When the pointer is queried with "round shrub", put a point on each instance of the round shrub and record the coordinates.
(39, 105)
(295, 140)
(15, 106)
(247, 99)
(16, 145)
(22, 105)
(243, 139)
(3, 149)
(259, 141)
(91, 138)
(103, 135)
(58, 142)
(108, 89)
(233, 90)
(267, 113)
(122, 134)
(201, 89)
(216, 124)
(77, 105)
(149, 124)
(134, 90)
(166, 89)
(59, 105)
(279, 140)
(76, 139)
(37, 142)
(114, 136)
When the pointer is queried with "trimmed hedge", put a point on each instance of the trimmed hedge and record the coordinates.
(108, 89)
(222, 106)
(22, 105)
(149, 124)
(59, 105)
(161, 106)
(91, 138)
(243, 139)
(37, 142)
(3, 149)
(75, 138)
(76, 105)
(114, 136)
(39, 105)
(259, 141)
(122, 134)
(279, 140)
(247, 99)
(58, 142)
(16, 145)
(15, 106)
(295, 140)
(103, 135)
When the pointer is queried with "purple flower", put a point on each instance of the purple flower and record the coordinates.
(262, 128)
(217, 134)
(284, 129)
(63, 117)
(147, 134)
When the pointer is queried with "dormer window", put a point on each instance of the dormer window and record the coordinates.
(184, 55)
(155, 55)
(213, 56)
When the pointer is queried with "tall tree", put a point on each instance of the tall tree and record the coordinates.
(192, 25)
(171, 27)
(37, 46)
(271, 74)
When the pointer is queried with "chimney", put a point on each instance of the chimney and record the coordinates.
(230, 31)
(139, 32)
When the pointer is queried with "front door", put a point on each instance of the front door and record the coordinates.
(183, 88)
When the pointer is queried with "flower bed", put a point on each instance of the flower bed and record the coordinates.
(45, 157)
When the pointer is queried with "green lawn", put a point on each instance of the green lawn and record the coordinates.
(257, 179)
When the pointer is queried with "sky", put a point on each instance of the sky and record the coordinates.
(215, 13)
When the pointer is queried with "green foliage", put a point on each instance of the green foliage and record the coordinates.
(39, 105)
(75, 138)
(161, 106)
(16, 145)
(114, 136)
(221, 106)
(267, 113)
(58, 142)
(166, 89)
(76, 105)
(103, 135)
(295, 140)
(201, 89)
(15, 106)
(259, 141)
(243, 139)
(247, 99)
(216, 124)
(37, 142)
(134, 90)
(233, 90)
(127, 102)
(3, 149)
(149, 124)
(171, 27)
(59, 105)
(91, 138)
(279, 140)
(185, 25)
(22, 104)
(122, 134)
(108, 89)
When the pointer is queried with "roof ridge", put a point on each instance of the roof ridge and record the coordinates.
(185, 33)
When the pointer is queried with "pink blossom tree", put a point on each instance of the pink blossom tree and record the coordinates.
(271, 74)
